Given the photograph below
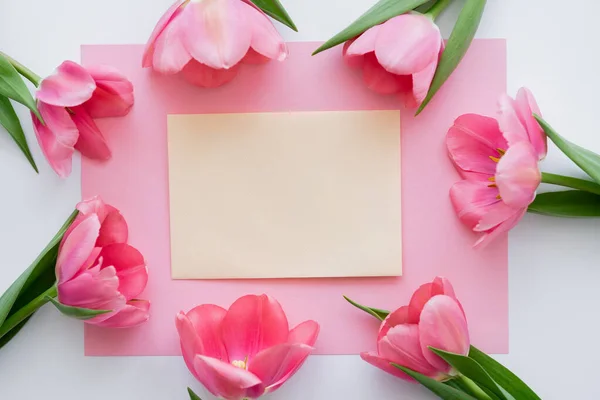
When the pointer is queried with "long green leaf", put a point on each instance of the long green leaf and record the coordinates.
(472, 370)
(443, 391)
(502, 375)
(380, 12)
(460, 39)
(76, 312)
(45, 260)
(568, 203)
(13, 332)
(13, 87)
(376, 312)
(10, 121)
(587, 160)
(275, 10)
(193, 396)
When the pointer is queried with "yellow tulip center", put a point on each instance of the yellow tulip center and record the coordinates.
(240, 363)
(495, 159)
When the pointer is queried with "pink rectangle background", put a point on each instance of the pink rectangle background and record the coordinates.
(135, 180)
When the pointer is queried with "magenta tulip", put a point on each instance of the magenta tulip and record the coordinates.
(433, 318)
(207, 39)
(246, 351)
(68, 101)
(96, 268)
(398, 56)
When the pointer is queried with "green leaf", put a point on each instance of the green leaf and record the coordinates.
(76, 312)
(568, 203)
(45, 261)
(502, 375)
(460, 39)
(13, 87)
(587, 160)
(379, 13)
(275, 10)
(13, 332)
(193, 396)
(472, 370)
(10, 122)
(443, 391)
(376, 312)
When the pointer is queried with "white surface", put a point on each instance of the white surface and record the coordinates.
(553, 265)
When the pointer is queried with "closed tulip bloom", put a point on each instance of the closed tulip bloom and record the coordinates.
(68, 101)
(433, 318)
(96, 269)
(398, 56)
(246, 351)
(207, 39)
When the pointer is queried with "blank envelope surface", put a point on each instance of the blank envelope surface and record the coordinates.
(284, 195)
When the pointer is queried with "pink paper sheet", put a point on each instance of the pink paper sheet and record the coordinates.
(434, 242)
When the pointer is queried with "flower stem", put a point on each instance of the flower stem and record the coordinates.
(23, 70)
(473, 388)
(26, 311)
(568, 181)
(437, 8)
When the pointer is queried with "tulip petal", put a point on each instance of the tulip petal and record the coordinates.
(425, 292)
(204, 76)
(57, 137)
(76, 248)
(402, 346)
(130, 266)
(472, 140)
(496, 215)
(69, 85)
(421, 81)
(113, 96)
(168, 16)
(472, 200)
(505, 226)
(304, 333)
(254, 58)
(113, 229)
(266, 40)
(384, 365)
(397, 317)
(419, 47)
(275, 365)
(206, 320)
(253, 323)
(518, 175)
(94, 290)
(189, 339)
(381, 81)
(91, 142)
(225, 380)
(170, 54)
(135, 313)
(354, 61)
(216, 32)
(443, 326)
(363, 44)
(526, 106)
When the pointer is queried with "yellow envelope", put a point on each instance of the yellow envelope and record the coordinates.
(282, 195)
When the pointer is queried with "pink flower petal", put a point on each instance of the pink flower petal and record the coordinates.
(135, 313)
(526, 106)
(130, 266)
(505, 226)
(205, 76)
(425, 292)
(407, 44)
(216, 32)
(497, 214)
(91, 142)
(225, 380)
(70, 85)
(443, 326)
(304, 333)
(472, 200)
(170, 54)
(402, 346)
(168, 16)
(353, 61)
(253, 323)
(94, 290)
(421, 82)
(254, 58)
(397, 317)
(275, 365)
(113, 229)
(379, 80)
(113, 96)
(265, 38)
(76, 248)
(363, 44)
(518, 175)
(384, 365)
(57, 137)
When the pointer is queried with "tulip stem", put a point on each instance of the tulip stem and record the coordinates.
(18, 317)
(475, 390)
(569, 181)
(437, 8)
(23, 70)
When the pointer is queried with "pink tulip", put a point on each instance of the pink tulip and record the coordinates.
(500, 169)
(246, 351)
(68, 101)
(96, 268)
(207, 39)
(398, 56)
(433, 318)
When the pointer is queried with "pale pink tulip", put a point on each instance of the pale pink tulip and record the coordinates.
(398, 56)
(68, 101)
(207, 39)
(246, 351)
(96, 268)
(433, 318)
(500, 169)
